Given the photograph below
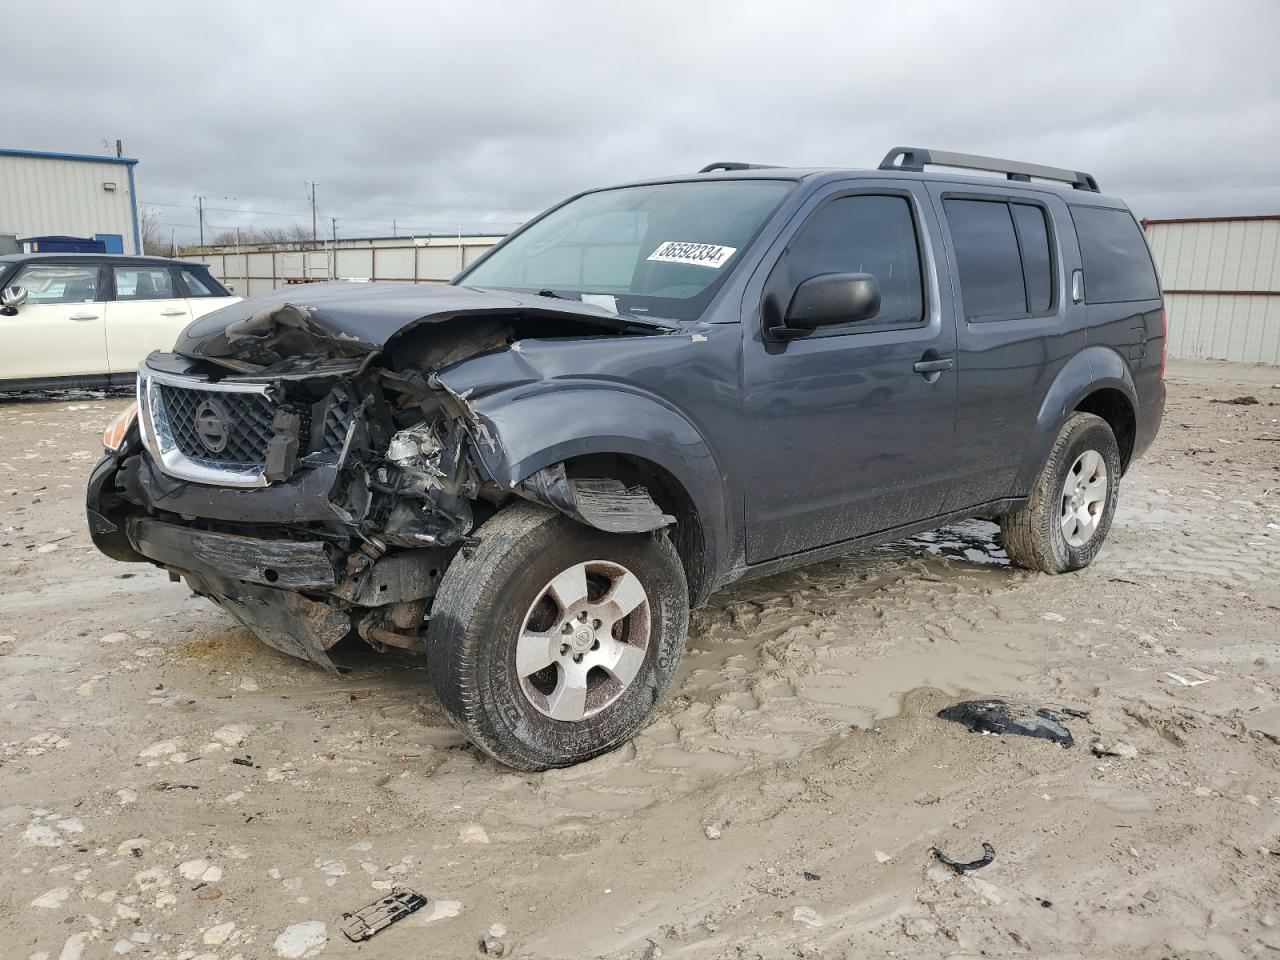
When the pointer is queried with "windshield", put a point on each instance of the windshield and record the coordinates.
(662, 249)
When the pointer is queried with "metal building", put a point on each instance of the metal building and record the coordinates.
(67, 195)
(1221, 279)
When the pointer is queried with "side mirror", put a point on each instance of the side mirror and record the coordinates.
(11, 298)
(830, 299)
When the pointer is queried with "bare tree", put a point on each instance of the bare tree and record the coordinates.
(150, 230)
(296, 237)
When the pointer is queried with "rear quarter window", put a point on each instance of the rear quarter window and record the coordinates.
(1117, 264)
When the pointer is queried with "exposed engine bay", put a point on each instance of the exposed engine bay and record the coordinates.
(313, 473)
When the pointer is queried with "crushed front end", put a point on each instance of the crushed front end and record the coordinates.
(314, 481)
(307, 498)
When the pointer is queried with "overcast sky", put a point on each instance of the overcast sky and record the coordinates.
(455, 115)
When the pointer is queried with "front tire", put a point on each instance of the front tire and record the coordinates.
(1063, 525)
(552, 642)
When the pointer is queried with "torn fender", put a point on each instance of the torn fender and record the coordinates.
(607, 505)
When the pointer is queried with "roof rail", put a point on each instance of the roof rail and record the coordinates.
(917, 158)
(736, 165)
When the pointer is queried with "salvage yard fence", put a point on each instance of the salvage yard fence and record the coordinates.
(254, 272)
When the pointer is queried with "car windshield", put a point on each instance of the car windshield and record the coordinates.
(660, 250)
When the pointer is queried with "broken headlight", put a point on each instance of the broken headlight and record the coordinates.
(114, 436)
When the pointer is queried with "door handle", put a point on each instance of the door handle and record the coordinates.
(934, 366)
(84, 316)
(173, 313)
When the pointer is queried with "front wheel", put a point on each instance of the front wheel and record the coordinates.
(1064, 523)
(552, 642)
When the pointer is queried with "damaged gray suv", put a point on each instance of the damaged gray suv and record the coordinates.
(528, 476)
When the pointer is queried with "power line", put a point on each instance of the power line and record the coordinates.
(361, 203)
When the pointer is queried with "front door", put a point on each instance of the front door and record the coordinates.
(58, 332)
(845, 437)
(147, 314)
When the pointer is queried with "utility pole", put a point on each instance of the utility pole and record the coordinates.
(200, 208)
(314, 234)
(333, 268)
(393, 228)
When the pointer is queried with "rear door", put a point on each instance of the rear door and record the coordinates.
(146, 313)
(59, 331)
(843, 435)
(1011, 258)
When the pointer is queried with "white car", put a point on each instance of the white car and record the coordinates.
(88, 320)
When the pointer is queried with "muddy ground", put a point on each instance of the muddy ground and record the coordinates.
(170, 788)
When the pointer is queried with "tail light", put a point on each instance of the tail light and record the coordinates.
(1164, 340)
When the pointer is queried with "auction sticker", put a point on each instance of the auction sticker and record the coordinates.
(700, 254)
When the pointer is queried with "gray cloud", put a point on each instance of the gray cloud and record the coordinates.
(446, 115)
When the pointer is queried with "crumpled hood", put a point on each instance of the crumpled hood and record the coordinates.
(343, 319)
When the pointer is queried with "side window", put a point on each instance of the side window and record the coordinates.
(58, 282)
(862, 234)
(196, 287)
(1004, 257)
(143, 283)
(1117, 265)
(991, 283)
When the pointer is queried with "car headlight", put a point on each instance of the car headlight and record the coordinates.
(118, 429)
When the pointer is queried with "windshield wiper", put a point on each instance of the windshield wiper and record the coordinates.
(553, 295)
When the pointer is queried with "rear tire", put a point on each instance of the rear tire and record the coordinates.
(1065, 522)
(536, 676)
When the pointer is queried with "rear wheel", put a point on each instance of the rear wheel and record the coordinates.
(552, 642)
(1064, 523)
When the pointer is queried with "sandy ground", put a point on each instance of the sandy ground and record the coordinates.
(782, 803)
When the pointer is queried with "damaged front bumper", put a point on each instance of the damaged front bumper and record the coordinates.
(292, 517)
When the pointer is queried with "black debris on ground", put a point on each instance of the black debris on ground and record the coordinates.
(1002, 717)
(988, 855)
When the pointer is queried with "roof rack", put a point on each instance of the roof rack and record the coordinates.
(917, 158)
(736, 165)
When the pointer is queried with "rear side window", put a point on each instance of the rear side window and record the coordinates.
(1004, 257)
(863, 234)
(987, 255)
(143, 283)
(1117, 265)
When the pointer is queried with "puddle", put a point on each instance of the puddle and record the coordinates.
(972, 540)
(872, 690)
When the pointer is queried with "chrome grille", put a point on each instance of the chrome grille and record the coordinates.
(248, 418)
(220, 433)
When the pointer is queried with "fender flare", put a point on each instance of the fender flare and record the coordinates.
(1093, 368)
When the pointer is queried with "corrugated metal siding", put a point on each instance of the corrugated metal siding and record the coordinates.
(1222, 287)
(41, 196)
(1224, 327)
